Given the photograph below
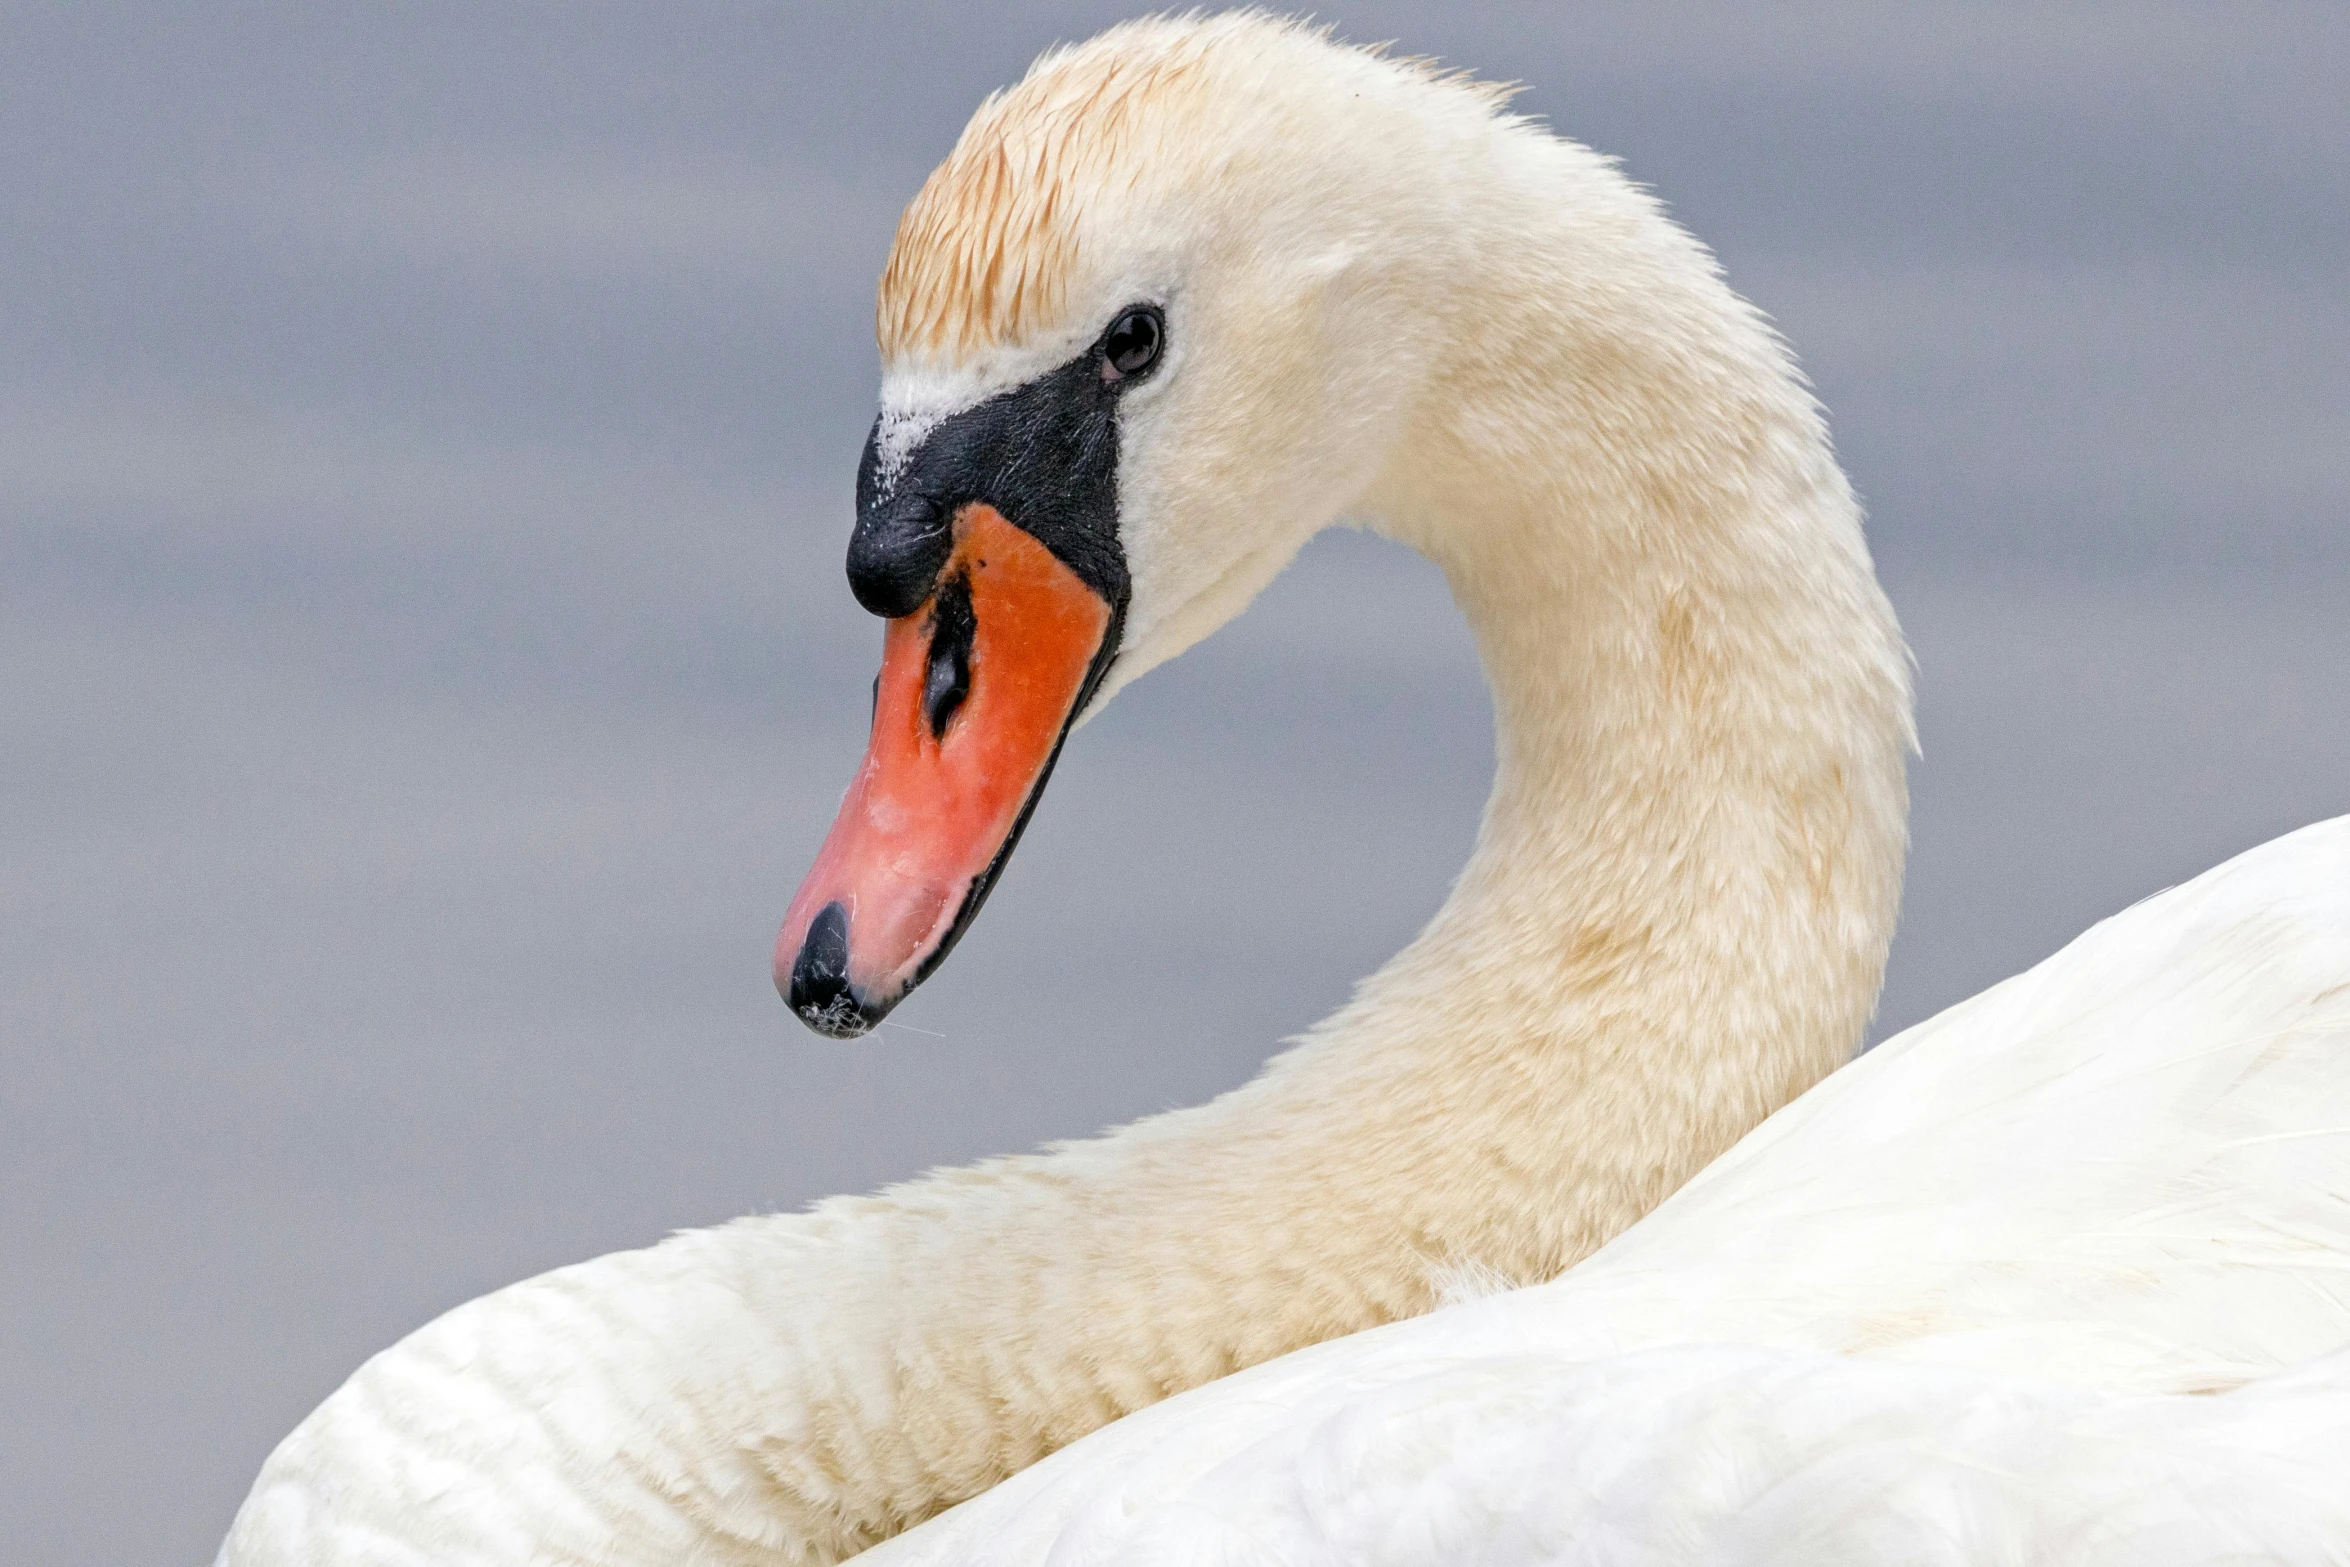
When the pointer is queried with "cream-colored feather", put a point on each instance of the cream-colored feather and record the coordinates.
(1387, 300)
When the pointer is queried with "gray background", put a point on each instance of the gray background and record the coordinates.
(425, 445)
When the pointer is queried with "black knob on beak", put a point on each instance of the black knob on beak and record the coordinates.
(896, 552)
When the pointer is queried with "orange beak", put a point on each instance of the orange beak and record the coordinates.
(978, 686)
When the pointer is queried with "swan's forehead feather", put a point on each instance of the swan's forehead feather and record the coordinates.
(986, 255)
(1060, 180)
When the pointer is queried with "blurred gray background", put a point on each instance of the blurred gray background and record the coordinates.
(426, 435)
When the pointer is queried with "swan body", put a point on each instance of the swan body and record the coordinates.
(2061, 1275)
(1722, 1455)
(1370, 293)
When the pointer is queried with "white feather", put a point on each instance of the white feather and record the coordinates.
(2059, 1276)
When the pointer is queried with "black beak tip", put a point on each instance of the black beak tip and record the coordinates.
(820, 991)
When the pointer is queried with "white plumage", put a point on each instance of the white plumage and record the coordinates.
(1718, 1454)
(2060, 1276)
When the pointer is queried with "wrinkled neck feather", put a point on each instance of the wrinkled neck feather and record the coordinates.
(1686, 877)
(1678, 907)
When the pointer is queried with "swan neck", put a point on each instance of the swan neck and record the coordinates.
(1688, 870)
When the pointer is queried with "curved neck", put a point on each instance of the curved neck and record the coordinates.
(1688, 871)
(1674, 921)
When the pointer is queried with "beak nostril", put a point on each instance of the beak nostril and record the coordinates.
(953, 629)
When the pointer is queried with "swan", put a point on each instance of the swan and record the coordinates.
(1186, 294)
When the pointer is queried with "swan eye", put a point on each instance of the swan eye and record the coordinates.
(1131, 346)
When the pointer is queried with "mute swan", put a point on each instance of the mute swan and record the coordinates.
(1183, 296)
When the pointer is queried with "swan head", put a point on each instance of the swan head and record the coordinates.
(1143, 333)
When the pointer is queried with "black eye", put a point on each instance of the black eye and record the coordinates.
(1131, 346)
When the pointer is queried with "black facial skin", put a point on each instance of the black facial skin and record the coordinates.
(1045, 456)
